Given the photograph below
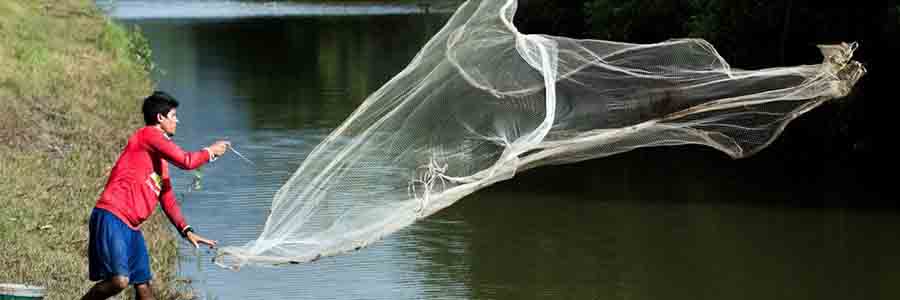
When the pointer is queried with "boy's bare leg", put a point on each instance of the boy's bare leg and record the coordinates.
(107, 288)
(143, 291)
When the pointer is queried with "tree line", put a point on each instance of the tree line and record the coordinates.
(753, 34)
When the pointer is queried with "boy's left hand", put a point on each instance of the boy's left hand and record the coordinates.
(196, 239)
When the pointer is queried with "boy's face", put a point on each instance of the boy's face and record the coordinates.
(169, 122)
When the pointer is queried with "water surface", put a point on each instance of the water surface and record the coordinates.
(219, 9)
(674, 223)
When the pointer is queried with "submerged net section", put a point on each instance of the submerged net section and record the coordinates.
(482, 101)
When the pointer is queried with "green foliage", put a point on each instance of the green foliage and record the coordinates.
(196, 180)
(655, 20)
(34, 55)
(728, 25)
(127, 45)
(140, 48)
(113, 38)
(637, 20)
(29, 41)
(703, 19)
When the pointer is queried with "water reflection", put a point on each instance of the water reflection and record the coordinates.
(301, 73)
(204, 9)
(641, 226)
(276, 87)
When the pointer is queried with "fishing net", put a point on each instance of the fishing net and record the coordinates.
(482, 101)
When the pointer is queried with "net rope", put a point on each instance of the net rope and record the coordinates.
(482, 101)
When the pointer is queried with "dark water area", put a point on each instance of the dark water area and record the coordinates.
(752, 35)
(796, 221)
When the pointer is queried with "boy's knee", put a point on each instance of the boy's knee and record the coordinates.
(119, 283)
(144, 292)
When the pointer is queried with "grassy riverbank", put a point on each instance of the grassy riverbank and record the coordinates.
(70, 87)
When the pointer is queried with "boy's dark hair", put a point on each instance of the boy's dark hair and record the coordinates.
(158, 103)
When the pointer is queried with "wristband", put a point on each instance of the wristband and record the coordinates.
(212, 157)
(186, 230)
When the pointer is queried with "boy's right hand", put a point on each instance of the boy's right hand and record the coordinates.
(218, 148)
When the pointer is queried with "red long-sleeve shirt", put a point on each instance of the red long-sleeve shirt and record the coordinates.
(140, 178)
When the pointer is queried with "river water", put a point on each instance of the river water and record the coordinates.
(672, 223)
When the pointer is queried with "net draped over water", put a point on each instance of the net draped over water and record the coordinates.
(482, 101)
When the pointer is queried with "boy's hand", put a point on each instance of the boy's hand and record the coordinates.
(218, 148)
(197, 240)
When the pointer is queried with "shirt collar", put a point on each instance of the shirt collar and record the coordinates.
(166, 135)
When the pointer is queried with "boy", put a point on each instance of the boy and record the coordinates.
(117, 253)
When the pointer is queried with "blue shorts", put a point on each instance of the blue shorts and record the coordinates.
(114, 249)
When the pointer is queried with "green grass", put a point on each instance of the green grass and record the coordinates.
(71, 83)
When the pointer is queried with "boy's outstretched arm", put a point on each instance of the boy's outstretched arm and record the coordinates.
(182, 159)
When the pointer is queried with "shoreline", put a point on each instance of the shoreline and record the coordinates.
(72, 81)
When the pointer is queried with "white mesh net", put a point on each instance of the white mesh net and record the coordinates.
(481, 101)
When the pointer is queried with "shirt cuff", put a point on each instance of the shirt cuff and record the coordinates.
(212, 157)
(185, 231)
